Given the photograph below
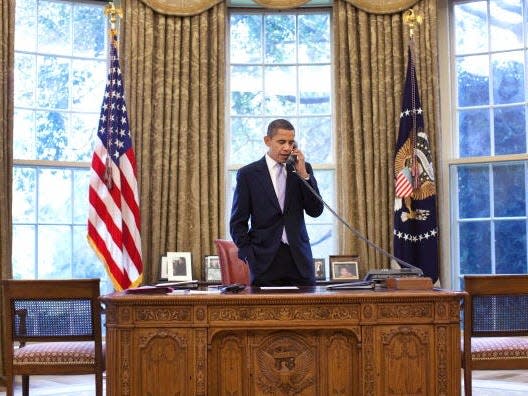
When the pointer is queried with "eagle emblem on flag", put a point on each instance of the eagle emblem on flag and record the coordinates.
(415, 178)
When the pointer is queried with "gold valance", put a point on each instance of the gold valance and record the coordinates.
(181, 7)
(194, 7)
(281, 4)
(382, 6)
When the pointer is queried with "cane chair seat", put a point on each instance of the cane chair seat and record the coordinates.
(66, 353)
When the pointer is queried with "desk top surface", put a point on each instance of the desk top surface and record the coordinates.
(305, 294)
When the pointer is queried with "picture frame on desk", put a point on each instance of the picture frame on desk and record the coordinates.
(320, 269)
(179, 266)
(344, 267)
(163, 268)
(211, 269)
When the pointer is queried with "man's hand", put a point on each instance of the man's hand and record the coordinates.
(300, 165)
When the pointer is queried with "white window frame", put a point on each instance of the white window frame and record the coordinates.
(449, 265)
(233, 167)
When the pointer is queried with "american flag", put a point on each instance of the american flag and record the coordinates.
(113, 218)
(415, 225)
(404, 185)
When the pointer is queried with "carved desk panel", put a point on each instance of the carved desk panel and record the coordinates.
(308, 342)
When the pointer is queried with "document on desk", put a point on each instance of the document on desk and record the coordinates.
(188, 291)
(279, 288)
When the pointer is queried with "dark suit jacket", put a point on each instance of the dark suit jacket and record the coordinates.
(255, 199)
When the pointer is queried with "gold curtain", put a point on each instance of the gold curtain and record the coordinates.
(7, 53)
(371, 58)
(174, 72)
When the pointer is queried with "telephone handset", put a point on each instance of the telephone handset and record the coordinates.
(292, 158)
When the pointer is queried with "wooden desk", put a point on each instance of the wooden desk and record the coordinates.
(313, 342)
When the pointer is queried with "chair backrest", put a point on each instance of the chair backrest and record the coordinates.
(496, 305)
(233, 269)
(52, 310)
(46, 312)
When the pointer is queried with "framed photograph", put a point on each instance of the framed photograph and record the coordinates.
(211, 269)
(163, 270)
(344, 267)
(320, 270)
(179, 266)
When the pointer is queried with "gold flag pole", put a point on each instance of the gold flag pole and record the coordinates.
(113, 13)
(412, 20)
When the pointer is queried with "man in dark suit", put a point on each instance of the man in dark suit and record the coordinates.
(276, 247)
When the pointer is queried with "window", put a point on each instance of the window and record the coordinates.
(280, 66)
(488, 166)
(60, 75)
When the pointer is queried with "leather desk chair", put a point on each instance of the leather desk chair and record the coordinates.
(233, 269)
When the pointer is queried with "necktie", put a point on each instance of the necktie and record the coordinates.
(281, 193)
(281, 184)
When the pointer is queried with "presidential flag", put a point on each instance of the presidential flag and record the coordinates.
(114, 218)
(415, 225)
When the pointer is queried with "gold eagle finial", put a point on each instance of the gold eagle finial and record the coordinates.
(412, 20)
(113, 12)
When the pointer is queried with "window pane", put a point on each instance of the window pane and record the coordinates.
(315, 139)
(247, 137)
(506, 24)
(510, 130)
(280, 88)
(24, 195)
(24, 252)
(473, 192)
(471, 27)
(51, 135)
(325, 183)
(54, 252)
(86, 264)
(88, 76)
(281, 39)
(473, 80)
(24, 134)
(315, 89)
(508, 77)
(314, 38)
(321, 239)
(26, 25)
(25, 79)
(474, 133)
(245, 38)
(54, 195)
(475, 247)
(53, 80)
(81, 181)
(510, 247)
(54, 34)
(246, 90)
(509, 190)
(81, 137)
(88, 38)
